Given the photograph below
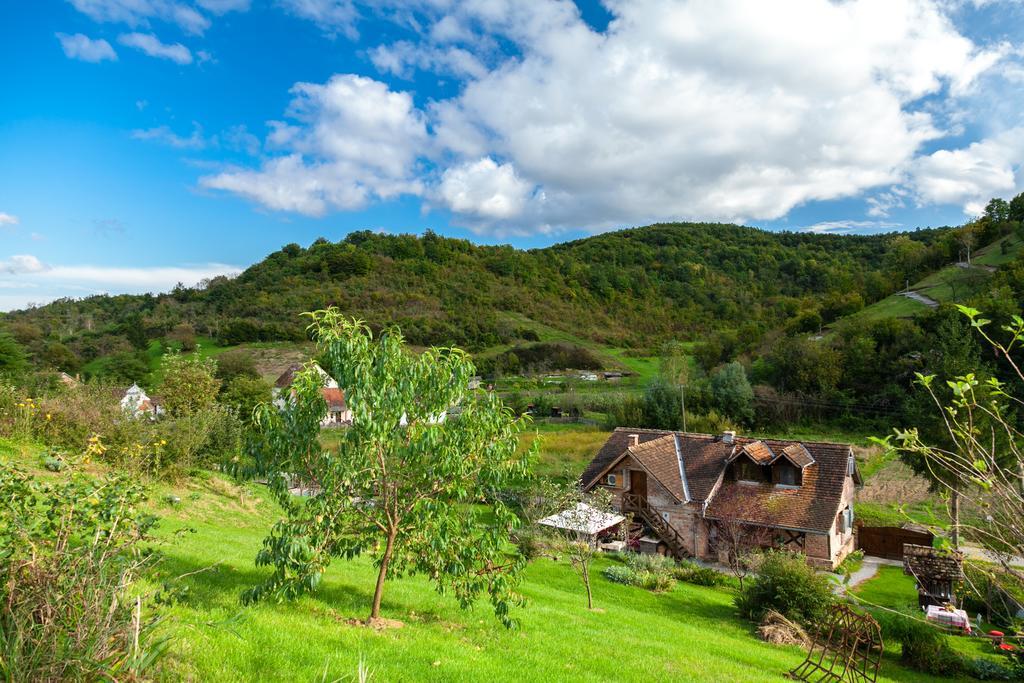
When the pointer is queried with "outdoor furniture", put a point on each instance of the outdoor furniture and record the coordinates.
(612, 546)
(955, 619)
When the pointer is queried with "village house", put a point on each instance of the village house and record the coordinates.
(137, 403)
(683, 487)
(338, 413)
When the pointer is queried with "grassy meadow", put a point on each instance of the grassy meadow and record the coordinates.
(688, 633)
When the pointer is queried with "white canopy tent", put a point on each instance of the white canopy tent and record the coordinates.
(583, 519)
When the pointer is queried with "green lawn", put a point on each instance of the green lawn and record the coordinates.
(894, 306)
(993, 255)
(690, 633)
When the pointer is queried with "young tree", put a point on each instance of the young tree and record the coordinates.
(578, 512)
(405, 483)
(189, 384)
(185, 335)
(243, 394)
(12, 356)
(982, 459)
(736, 538)
(732, 393)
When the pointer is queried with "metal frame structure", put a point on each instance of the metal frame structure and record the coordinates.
(851, 650)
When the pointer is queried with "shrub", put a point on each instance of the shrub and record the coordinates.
(690, 572)
(988, 670)
(786, 584)
(658, 564)
(70, 556)
(923, 646)
(656, 581)
(620, 574)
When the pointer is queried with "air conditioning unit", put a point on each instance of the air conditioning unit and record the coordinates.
(612, 480)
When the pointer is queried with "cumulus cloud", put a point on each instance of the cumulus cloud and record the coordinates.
(81, 46)
(404, 57)
(682, 109)
(139, 12)
(484, 188)
(353, 139)
(971, 175)
(7, 219)
(733, 110)
(152, 46)
(20, 264)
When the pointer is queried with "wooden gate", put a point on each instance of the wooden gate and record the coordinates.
(887, 541)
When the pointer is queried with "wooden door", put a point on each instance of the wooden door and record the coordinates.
(638, 484)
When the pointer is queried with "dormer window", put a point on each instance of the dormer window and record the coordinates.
(786, 474)
(748, 471)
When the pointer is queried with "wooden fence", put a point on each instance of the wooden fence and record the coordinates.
(888, 541)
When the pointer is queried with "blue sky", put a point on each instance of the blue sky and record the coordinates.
(150, 141)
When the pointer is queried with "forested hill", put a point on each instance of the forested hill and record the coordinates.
(630, 288)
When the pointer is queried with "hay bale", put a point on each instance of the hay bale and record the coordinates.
(778, 630)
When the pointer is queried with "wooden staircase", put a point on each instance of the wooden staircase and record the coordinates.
(666, 532)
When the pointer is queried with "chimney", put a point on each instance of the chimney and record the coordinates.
(634, 440)
(728, 437)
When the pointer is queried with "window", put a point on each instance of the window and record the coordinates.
(786, 474)
(847, 520)
(748, 471)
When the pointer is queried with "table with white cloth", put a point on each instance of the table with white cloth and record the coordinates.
(955, 619)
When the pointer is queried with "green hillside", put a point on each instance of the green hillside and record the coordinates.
(624, 290)
(950, 284)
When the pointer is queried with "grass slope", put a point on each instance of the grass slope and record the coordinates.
(690, 633)
(949, 284)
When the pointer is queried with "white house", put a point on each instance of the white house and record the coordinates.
(136, 402)
(338, 413)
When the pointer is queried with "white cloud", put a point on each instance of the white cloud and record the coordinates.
(167, 136)
(732, 110)
(139, 13)
(46, 282)
(331, 16)
(354, 140)
(882, 204)
(484, 188)
(224, 6)
(21, 263)
(152, 46)
(403, 57)
(844, 227)
(81, 46)
(8, 219)
(972, 175)
(682, 109)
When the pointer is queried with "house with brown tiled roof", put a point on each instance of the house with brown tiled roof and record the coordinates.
(338, 413)
(681, 487)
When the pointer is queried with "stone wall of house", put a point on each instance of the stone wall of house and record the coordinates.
(818, 550)
(685, 518)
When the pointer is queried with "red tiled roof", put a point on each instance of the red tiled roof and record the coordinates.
(335, 399)
(811, 506)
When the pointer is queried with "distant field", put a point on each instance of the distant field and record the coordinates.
(565, 449)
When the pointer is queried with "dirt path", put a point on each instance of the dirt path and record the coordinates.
(965, 264)
(917, 296)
